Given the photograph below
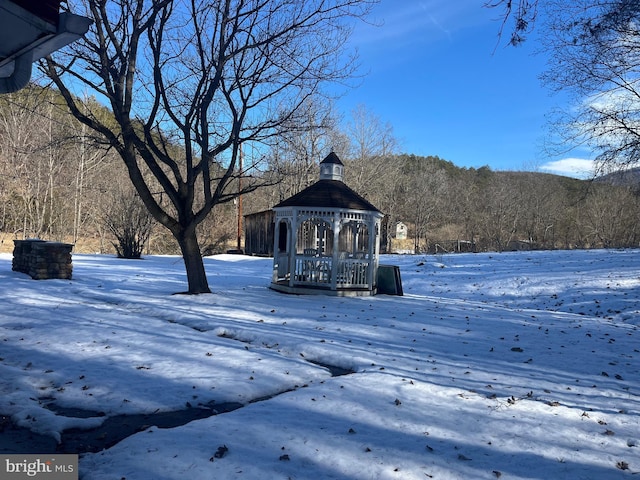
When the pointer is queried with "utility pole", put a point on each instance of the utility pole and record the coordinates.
(239, 244)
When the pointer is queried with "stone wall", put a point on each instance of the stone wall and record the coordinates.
(42, 260)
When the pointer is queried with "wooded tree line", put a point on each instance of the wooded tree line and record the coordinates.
(453, 209)
(447, 208)
(57, 182)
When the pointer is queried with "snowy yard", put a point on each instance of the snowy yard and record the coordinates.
(512, 365)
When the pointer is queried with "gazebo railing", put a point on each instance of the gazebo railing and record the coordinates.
(313, 270)
(318, 271)
(353, 273)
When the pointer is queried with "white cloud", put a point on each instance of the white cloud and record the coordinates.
(571, 167)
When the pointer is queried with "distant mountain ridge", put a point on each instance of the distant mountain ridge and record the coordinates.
(622, 178)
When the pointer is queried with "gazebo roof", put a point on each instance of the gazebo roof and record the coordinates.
(328, 194)
(332, 158)
(329, 191)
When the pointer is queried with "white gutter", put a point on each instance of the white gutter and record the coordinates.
(21, 74)
(70, 28)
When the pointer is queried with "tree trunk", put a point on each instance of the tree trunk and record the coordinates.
(196, 275)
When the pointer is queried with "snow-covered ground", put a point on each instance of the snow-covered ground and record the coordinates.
(512, 365)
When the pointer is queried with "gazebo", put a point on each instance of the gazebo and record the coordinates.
(327, 238)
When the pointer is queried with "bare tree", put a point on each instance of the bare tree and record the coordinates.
(35, 157)
(518, 18)
(372, 145)
(208, 76)
(421, 196)
(593, 48)
(372, 169)
(294, 156)
(130, 222)
(537, 193)
(18, 125)
(595, 57)
(609, 217)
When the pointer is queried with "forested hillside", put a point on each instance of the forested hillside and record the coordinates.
(58, 182)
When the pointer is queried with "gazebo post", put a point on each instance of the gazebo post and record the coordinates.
(373, 249)
(276, 250)
(293, 247)
(356, 236)
(335, 254)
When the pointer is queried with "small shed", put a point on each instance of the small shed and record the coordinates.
(326, 238)
(258, 233)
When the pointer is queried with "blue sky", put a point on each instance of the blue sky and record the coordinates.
(434, 70)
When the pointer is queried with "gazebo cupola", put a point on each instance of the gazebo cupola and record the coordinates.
(327, 238)
(331, 168)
